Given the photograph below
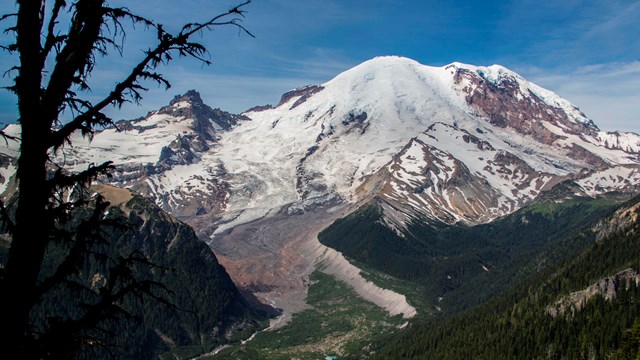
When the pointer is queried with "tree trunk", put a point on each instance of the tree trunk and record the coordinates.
(29, 239)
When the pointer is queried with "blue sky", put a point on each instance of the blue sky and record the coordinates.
(586, 51)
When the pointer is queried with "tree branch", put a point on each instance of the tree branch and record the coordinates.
(51, 39)
(75, 57)
(61, 180)
(8, 137)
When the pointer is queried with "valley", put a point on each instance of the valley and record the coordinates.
(337, 322)
(274, 258)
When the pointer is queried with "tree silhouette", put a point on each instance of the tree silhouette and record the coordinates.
(56, 44)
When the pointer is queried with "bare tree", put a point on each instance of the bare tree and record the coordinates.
(56, 58)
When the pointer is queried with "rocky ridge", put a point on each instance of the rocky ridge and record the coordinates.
(606, 287)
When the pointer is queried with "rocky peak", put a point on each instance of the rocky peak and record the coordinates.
(206, 121)
(191, 95)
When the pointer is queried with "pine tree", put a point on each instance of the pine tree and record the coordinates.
(55, 60)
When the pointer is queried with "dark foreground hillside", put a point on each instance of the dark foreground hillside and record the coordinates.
(199, 310)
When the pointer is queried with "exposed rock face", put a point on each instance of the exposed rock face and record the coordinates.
(184, 150)
(620, 141)
(504, 103)
(207, 121)
(260, 108)
(413, 189)
(622, 220)
(303, 94)
(200, 196)
(481, 144)
(578, 152)
(607, 287)
(7, 169)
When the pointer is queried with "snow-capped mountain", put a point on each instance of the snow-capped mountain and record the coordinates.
(453, 143)
(159, 155)
(457, 143)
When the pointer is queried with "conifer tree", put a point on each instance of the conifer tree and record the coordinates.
(56, 44)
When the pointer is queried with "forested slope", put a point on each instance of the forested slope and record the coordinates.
(524, 322)
(461, 266)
